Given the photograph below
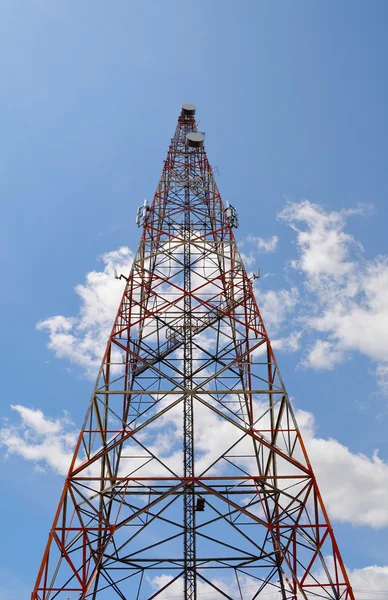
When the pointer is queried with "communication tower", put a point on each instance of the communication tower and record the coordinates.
(190, 478)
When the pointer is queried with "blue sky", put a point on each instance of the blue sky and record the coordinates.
(292, 97)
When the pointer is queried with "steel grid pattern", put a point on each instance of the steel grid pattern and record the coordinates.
(147, 508)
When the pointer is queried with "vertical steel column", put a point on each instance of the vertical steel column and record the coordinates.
(188, 416)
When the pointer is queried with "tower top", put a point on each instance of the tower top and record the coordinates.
(188, 109)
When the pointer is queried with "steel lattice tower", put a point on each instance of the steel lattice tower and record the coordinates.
(190, 472)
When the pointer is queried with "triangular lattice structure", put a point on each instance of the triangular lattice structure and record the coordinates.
(190, 478)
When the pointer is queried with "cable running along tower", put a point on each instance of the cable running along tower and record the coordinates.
(190, 478)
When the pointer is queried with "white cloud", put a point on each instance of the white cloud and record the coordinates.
(342, 477)
(264, 244)
(290, 343)
(323, 245)
(364, 581)
(357, 319)
(248, 259)
(45, 441)
(82, 339)
(176, 589)
(346, 300)
(247, 585)
(369, 579)
(276, 306)
(323, 354)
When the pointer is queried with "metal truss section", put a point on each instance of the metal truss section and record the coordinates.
(190, 478)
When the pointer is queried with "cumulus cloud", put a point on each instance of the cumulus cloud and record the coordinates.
(338, 303)
(264, 244)
(322, 244)
(276, 306)
(82, 339)
(346, 295)
(246, 585)
(367, 580)
(47, 442)
(289, 343)
(176, 588)
(342, 474)
(323, 354)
